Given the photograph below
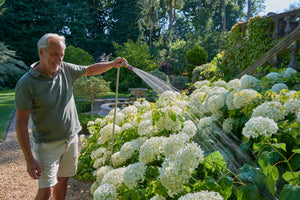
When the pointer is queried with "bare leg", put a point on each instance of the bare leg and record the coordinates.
(60, 189)
(44, 193)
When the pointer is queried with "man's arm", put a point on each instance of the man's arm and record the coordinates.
(22, 118)
(99, 68)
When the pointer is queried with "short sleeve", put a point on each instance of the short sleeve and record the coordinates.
(76, 71)
(23, 97)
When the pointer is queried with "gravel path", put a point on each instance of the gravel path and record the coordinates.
(15, 183)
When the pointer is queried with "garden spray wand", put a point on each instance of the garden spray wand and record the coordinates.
(115, 111)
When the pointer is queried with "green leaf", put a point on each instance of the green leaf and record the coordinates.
(296, 150)
(292, 178)
(280, 146)
(253, 175)
(226, 184)
(215, 161)
(290, 192)
(248, 192)
(172, 116)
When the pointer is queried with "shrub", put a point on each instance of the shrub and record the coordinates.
(180, 82)
(195, 57)
(160, 75)
(78, 56)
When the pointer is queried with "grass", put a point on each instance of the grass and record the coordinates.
(7, 108)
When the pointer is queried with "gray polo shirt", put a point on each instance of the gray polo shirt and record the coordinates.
(51, 102)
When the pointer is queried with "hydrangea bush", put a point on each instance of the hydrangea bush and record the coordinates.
(235, 140)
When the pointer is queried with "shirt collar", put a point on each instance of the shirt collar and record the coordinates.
(36, 74)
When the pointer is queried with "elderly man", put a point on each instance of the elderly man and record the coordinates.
(45, 93)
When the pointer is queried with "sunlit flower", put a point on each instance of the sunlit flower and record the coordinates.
(245, 97)
(220, 83)
(151, 149)
(215, 103)
(199, 84)
(158, 197)
(106, 133)
(134, 174)
(166, 98)
(114, 177)
(174, 143)
(292, 105)
(278, 87)
(90, 123)
(99, 173)
(117, 159)
(167, 122)
(234, 84)
(146, 128)
(105, 192)
(100, 152)
(202, 195)
(248, 82)
(129, 111)
(189, 128)
(257, 126)
(271, 109)
(126, 126)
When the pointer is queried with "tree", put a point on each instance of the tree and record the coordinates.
(223, 15)
(78, 56)
(11, 69)
(124, 23)
(91, 87)
(195, 57)
(249, 10)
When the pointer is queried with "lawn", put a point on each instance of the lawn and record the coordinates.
(7, 108)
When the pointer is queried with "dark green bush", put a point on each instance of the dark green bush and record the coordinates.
(195, 57)
(161, 75)
(180, 82)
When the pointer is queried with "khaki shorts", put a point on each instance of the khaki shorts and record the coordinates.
(56, 159)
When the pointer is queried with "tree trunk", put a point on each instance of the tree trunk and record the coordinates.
(223, 15)
(249, 10)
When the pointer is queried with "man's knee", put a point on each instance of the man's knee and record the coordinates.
(62, 179)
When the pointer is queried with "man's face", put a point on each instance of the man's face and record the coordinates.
(52, 57)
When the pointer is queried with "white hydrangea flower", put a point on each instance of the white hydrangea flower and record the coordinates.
(278, 87)
(114, 177)
(198, 96)
(245, 97)
(146, 105)
(82, 138)
(289, 72)
(158, 197)
(165, 122)
(271, 109)
(220, 83)
(180, 104)
(234, 84)
(189, 128)
(134, 174)
(199, 84)
(112, 111)
(90, 123)
(129, 148)
(106, 133)
(176, 171)
(230, 100)
(146, 128)
(126, 126)
(117, 159)
(98, 121)
(99, 173)
(215, 103)
(248, 82)
(129, 111)
(94, 186)
(151, 149)
(105, 192)
(166, 98)
(292, 105)
(101, 152)
(257, 126)
(217, 91)
(202, 195)
(174, 143)
(137, 104)
(274, 76)
(227, 125)
(120, 118)
(101, 161)
(147, 115)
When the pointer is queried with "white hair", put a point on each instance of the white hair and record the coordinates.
(44, 41)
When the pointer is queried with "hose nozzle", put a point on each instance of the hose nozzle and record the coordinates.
(128, 66)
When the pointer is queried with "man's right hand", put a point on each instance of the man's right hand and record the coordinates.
(34, 170)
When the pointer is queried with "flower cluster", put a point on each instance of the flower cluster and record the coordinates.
(258, 126)
(203, 195)
(272, 109)
(134, 174)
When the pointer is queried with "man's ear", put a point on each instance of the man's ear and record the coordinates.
(41, 51)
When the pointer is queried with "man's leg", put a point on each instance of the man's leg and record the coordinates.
(60, 189)
(44, 193)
